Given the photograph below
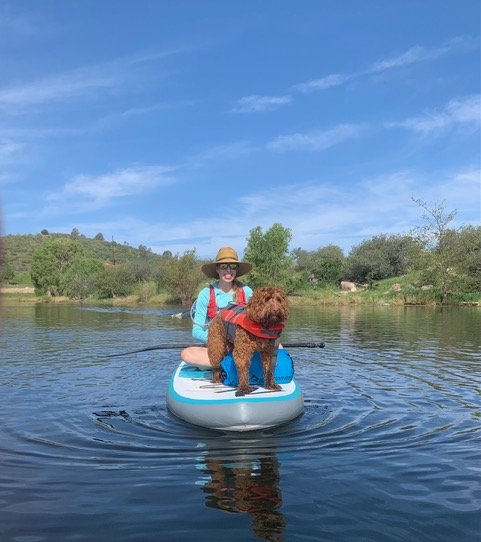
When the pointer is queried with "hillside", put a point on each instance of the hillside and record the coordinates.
(19, 249)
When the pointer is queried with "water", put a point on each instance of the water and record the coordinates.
(388, 448)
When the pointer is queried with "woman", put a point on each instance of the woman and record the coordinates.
(226, 289)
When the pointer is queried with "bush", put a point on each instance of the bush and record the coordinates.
(182, 277)
(115, 281)
(80, 279)
(380, 257)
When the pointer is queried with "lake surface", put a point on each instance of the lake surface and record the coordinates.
(388, 448)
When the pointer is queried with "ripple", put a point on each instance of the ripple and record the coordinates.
(389, 437)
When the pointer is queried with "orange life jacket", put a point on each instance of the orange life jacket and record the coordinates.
(234, 315)
(212, 306)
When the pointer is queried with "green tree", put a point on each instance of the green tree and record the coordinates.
(80, 279)
(381, 257)
(320, 267)
(269, 255)
(439, 265)
(469, 250)
(114, 281)
(182, 277)
(50, 261)
(99, 237)
(144, 251)
(7, 274)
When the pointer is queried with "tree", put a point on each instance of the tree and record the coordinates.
(381, 257)
(7, 274)
(322, 266)
(99, 237)
(44, 232)
(75, 234)
(439, 264)
(182, 277)
(80, 279)
(469, 259)
(140, 269)
(269, 255)
(144, 251)
(114, 281)
(50, 261)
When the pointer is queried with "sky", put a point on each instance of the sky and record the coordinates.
(184, 124)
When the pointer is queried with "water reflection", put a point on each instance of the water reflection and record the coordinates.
(246, 481)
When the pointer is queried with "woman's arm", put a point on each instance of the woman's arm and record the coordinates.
(248, 292)
(199, 328)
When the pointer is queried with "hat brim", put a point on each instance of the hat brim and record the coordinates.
(209, 269)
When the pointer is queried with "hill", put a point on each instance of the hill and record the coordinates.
(19, 250)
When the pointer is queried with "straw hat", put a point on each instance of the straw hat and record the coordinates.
(225, 255)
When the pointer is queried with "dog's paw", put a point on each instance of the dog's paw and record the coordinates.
(274, 387)
(216, 377)
(244, 391)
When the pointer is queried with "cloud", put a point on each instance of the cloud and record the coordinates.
(462, 191)
(460, 111)
(89, 192)
(318, 213)
(256, 104)
(222, 152)
(57, 88)
(8, 149)
(86, 81)
(315, 140)
(421, 54)
(329, 81)
(412, 55)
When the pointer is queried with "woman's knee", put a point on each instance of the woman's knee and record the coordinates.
(195, 355)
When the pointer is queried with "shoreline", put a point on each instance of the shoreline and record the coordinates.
(26, 294)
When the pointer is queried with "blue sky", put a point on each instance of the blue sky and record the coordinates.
(184, 124)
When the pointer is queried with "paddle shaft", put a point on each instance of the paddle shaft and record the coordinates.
(175, 346)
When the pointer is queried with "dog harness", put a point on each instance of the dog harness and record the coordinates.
(234, 315)
(212, 306)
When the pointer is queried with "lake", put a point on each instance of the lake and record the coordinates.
(388, 447)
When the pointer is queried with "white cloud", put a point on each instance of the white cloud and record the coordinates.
(86, 81)
(256, 104)
(8, 149)
(55, 88)
(318, 213)
(86, 191)
(222, 152)
(421, 54)
(460, 111)
(315, 140)
(412, 55)
(329, 81)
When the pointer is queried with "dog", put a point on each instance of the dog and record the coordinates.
(244, 330)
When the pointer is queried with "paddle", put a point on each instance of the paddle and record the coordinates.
(175, 346)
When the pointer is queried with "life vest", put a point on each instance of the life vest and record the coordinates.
(283, 370)
(234, 315)
(212, 306)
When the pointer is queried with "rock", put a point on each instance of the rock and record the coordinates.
(348, 286)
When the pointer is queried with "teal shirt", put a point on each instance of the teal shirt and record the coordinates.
(200, 328)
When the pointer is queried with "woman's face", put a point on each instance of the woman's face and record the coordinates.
(227, 271)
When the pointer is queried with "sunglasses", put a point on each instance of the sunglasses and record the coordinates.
(231, 266)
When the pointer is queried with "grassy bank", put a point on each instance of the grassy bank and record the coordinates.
(394, 291)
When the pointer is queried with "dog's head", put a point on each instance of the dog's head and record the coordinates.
(268, 306)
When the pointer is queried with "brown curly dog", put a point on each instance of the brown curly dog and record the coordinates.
(244, 330)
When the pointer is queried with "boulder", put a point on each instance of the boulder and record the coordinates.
(348, 286)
